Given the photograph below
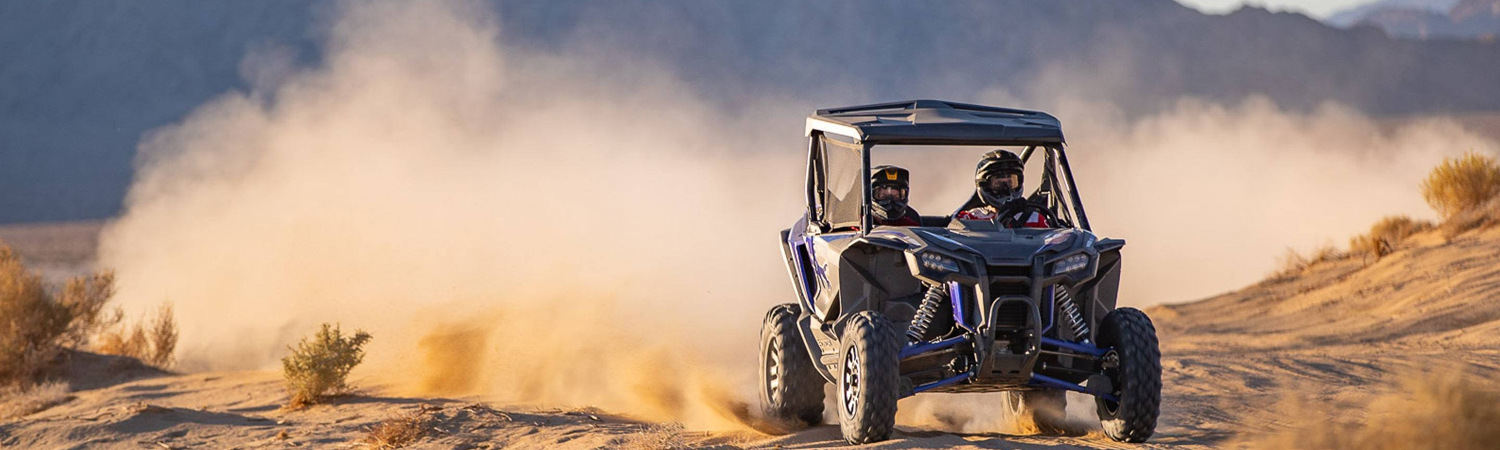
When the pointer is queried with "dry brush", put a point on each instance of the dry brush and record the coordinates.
(318, 366)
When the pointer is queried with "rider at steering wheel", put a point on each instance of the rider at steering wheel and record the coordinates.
(998, 182)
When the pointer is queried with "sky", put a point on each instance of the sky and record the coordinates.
(1315, 8)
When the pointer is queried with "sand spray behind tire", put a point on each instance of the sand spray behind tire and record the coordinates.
(508, 357)
(1444, 407)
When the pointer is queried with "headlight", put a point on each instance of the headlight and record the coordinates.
(938, 262)
(1059, 237)
(1070, 264)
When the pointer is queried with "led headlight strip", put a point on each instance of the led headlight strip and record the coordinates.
(938, 262)
(1071, 263)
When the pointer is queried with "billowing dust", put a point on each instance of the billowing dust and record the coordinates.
(1446, 408)
(556, 228)
(1206, 195)
(503, 223)
(512, 355)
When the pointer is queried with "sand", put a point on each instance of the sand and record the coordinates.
(1282, 353)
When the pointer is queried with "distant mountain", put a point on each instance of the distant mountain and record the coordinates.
(80, 82)
(1465, 19)
(1349, 17)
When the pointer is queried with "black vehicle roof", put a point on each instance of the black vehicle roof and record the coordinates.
(937, 122)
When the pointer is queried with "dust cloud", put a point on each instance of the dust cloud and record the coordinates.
(1449, 408)
(524, 226)
(1206, 195)
(568, 228)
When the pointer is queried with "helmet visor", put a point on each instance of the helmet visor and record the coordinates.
(1001, 183)
(888, 192)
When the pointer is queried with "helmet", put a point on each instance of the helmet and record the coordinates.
(998, 163)
(889, 186)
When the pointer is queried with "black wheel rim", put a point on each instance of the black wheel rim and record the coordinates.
(851, 381)
(773, 371)
(1116, 385)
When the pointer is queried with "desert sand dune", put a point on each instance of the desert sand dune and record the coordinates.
(1283, 353)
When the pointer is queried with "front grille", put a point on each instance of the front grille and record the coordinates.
(1006, 289)
(1011, 315)
(1009, 271)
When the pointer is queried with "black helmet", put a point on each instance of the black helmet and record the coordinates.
(998, 162)
(889, 207)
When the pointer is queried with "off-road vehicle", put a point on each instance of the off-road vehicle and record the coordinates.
(952, 305)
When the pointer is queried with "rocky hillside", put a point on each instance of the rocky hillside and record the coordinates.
(1446, 19)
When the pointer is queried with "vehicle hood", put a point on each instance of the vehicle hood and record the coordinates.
(997, 247)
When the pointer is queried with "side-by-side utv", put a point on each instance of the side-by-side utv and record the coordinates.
(951, 305)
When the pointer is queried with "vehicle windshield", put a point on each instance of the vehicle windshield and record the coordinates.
(942, 177)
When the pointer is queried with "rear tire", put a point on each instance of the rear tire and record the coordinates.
(868, 378)
(1045, 411)
(1135, 376)
(791, 390)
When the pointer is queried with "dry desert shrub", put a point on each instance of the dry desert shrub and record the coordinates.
(397, 432)
(1385, 235)
(1447, 411)
(163, 336)
(319, 365)
(124, 341)
(1484, 216)
(18, 401)
(1461, 184)
(36, 324)
(151, 343)
(1290, 264)
(1324, 254)
(85, 298)
(1368, 245)
(32, 323)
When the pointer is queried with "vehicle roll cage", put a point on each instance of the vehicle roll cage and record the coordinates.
(936, 123)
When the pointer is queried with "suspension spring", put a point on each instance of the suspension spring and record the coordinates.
(925, 313)
(1070, 310)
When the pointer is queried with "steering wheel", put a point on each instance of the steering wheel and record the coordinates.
(1023, 208)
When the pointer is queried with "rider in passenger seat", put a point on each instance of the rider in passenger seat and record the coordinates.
(998, 182)
(889, 186)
